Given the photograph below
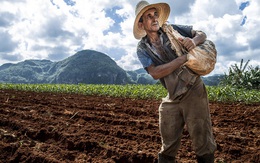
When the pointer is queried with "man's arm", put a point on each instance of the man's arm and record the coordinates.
(198, 38)
(160, 71)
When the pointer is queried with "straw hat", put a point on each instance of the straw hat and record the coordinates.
(163, 10)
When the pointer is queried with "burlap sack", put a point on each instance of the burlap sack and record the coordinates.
(201, 59)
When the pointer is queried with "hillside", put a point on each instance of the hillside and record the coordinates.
(87, 66)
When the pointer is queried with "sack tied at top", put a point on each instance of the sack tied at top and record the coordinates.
(201, 59)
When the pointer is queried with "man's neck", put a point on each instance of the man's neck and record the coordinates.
(153, 37)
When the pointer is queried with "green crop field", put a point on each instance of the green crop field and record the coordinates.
(215, 93)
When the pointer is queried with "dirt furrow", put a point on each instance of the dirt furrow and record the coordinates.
(48, 127)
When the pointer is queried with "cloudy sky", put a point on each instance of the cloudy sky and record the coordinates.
(57, 29)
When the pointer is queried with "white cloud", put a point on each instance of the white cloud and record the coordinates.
(53, 30)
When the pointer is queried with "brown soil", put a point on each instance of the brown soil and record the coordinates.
(47, 127)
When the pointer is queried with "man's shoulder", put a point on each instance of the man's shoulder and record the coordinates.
(184, 30)
(181, 26)
(142, 42)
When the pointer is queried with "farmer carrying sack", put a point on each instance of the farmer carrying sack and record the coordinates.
(201, 59)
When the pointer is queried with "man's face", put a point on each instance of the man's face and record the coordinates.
(150, 21)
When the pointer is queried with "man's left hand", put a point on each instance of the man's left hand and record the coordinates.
(188, 43)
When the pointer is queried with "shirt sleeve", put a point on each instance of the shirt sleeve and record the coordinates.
(184, 30)
(144, 57)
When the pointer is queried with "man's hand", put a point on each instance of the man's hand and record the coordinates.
(188, 43)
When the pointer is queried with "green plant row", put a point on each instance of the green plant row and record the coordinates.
(233, 94)
(129, 91)
(215, 93)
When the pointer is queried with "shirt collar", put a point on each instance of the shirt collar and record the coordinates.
(145, 39)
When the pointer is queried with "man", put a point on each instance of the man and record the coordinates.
(186, 102)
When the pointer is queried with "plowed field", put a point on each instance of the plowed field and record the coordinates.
(47, 127)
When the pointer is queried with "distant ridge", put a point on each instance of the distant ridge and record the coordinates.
(86, 66)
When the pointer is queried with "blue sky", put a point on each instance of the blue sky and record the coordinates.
(57, 29)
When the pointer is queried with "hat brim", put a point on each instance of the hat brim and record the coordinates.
(163, 10)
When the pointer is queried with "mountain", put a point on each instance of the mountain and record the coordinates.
(28, 71)
(87, 66)
(140, 76)
(212, 80)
